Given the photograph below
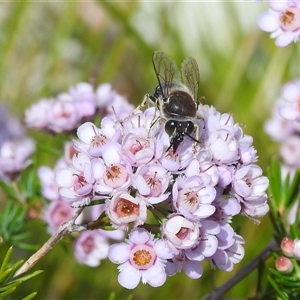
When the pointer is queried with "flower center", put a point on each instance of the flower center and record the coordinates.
(98, 140)
(188, 200)
(182, 233)
(142, 256)
(136, 147)
(154, 184)
(79, 182)
(115, 175)
(126, 208)
(290, 19)
(88, 245)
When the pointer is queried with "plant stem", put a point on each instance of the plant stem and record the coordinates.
(63, 230)
(219, 292)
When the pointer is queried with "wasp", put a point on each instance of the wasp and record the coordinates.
(176, 96)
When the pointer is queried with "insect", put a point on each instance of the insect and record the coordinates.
(176, 96)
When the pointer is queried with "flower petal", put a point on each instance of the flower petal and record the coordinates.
(129, 277)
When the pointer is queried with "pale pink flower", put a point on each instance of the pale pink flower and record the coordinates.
(85, 99)
(92, 139)
(193, 269)
(141, 257)
(249, 182)
(36, 116)
(289, 108)
(139, 148)
(247, 152)
(255, 206)
(181, 232)
(78, 182)
(48, 184)
(277, 127)
(90, 248)
(194, 195)
(230, 252)
(152, 182)
(206, 167)
(57, 213)
(223, 146)
(282, 20)
(15, 156)
(123, 209)
(114, 170)
(290, 151)
(63, 115)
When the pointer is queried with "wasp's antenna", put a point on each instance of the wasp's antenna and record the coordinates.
(192, 138)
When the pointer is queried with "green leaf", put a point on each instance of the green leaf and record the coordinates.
(7, 292)
(15, 267)
(12, 225)
(28, 276)
(5, 275)
(30, 296)
(6, 259)
(274, 175)
(292, 192)
(10, 285)
(277, 288)
(7, 188)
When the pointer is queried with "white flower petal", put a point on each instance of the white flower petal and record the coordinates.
(268, 22)
(86, 132)
(119, 253)
(193, 269)
(155, 276)
(129, 277)
(285, 39)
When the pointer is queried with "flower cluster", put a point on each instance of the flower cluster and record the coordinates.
(282, 20)
(68, 110)
(284, 125)
(15, 147)
(127, 166)
(89, 247)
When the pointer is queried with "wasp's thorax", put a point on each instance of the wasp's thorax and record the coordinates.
(178, 104)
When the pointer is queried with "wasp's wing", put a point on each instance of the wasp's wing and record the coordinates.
(190, 75)
(166, 71)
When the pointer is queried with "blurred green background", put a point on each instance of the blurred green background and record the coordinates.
(47, 47)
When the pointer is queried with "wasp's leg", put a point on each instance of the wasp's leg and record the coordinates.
(146, 100)
(196, 138)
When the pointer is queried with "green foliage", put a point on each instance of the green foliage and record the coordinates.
(22, 196)
(12, 220)
(286, 286)
(284, 196)
(8, 283)
(284, 193)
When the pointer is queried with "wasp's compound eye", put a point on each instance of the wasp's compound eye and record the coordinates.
(189, 127)
(170, 127)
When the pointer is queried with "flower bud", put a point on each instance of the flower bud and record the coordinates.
(287, 246)
(283, 265)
